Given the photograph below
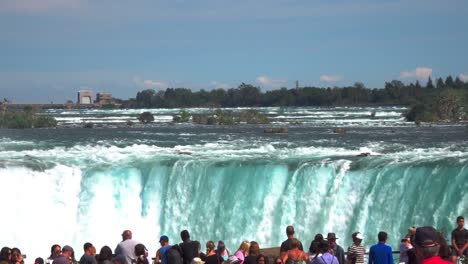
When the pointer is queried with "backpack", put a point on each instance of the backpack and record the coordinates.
(173, 255)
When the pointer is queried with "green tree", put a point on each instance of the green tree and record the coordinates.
(429, 84)
(449, 82)
(440, 84)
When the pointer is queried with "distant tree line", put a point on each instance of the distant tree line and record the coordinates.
(394, 93)
(445, 100)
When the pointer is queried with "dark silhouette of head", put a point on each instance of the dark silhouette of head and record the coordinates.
(87, 247)
(105, 253)
(254, 249)
(5, 254)
(382, 236)
(185, 235)
(290, 231)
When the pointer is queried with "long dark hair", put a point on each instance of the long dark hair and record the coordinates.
(104, 254)
(52, 251)
(5, 254)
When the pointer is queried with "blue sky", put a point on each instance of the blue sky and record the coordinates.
(50, 49)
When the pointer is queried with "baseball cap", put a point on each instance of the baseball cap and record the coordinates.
(426, 236)
(163, 238)
(359, 236)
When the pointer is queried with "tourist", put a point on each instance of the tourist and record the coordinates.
(411, 232)
(119, 259)
(459, 240)
(55, 251)
(261, 259)
(337, 250)
(381, 253)
(222, 251)
(5, 255)
(189, 248)
(254, 251)
(105, 255)
(313, 248)
(445, 252)
(211, 257)
(278, 260)
(314, 251)
(426, 245)
(356, 251)
(161, 253)
(242, 252)
(127, 246)
(326, 254)
(287, 244)
(295, 255)
(88, 257)
(141, 254)
(39, 261)
(405, 245)
(16, 256)
(66, 257)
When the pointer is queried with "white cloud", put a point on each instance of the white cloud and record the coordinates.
(267, 81)
(221, 85)
(38, 5)
(330, 78)
(421, 73)
(463, 77)
(150, 84)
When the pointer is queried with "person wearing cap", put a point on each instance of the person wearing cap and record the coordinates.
(127, 246)
(356, 251)
(88, 257)
(459, 240)
(327, 257)
(337, 250)
(381, 253)
(161, 253)
(427, 245)
(65, 257)
(287, 244)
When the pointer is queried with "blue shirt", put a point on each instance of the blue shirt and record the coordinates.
(163, 254)
(380, 254)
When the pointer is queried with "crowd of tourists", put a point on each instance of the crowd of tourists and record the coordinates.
(422, 245)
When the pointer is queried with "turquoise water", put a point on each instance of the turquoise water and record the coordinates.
(73, 185)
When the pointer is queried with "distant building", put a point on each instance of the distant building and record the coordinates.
(104, 98)
(85, 97)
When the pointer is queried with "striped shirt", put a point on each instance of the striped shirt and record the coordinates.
(358, 251)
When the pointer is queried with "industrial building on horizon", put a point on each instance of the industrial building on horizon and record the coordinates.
(85, 97)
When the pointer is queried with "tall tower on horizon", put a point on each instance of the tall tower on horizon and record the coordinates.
(297, 84)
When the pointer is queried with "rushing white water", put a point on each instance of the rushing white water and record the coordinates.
(357, 116)
(71, 186)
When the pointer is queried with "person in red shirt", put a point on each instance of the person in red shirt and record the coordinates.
(426, 245)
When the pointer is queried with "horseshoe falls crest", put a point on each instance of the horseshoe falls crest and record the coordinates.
(72, 185)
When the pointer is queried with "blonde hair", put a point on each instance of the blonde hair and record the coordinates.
(244, 246)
